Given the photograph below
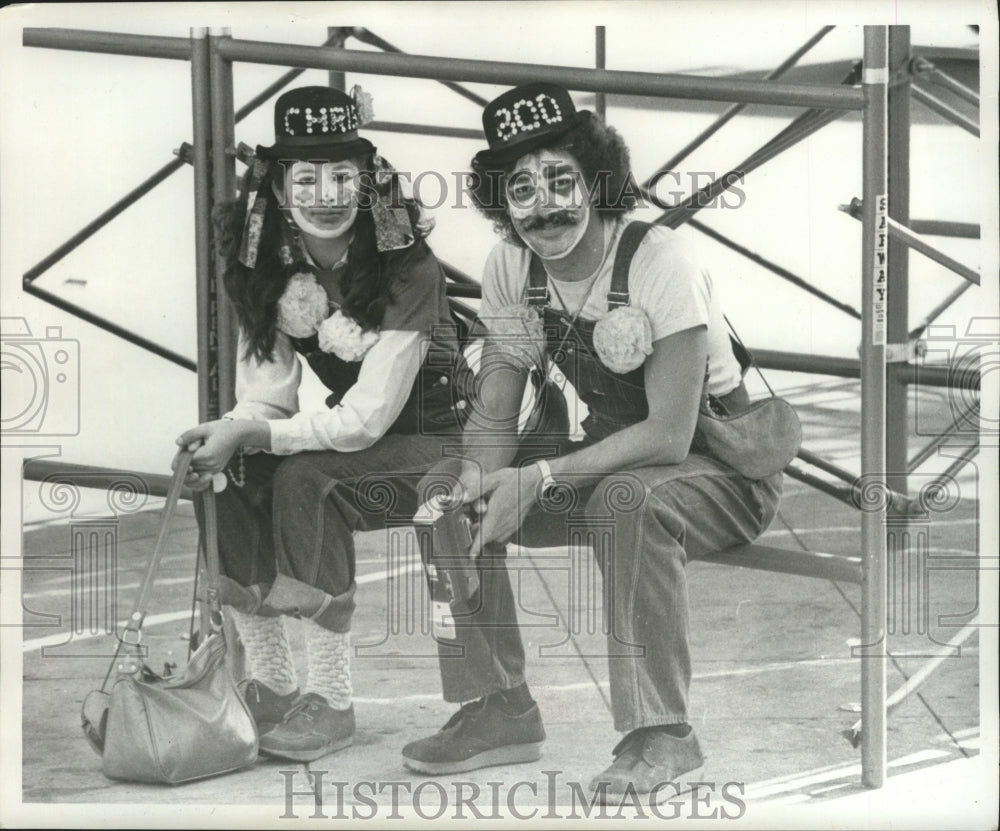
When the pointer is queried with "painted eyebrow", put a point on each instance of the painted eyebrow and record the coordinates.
(561, 169)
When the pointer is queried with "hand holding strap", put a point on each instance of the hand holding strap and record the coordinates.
(132, 635)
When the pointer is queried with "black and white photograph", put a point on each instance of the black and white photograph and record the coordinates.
(539, 413)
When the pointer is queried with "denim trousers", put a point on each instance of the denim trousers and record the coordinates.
(659, 518)
(286, 541)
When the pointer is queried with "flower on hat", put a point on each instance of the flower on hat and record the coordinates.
(517, 330)
(365, 105)
(302, 306)
(345, 338)
(623, 339)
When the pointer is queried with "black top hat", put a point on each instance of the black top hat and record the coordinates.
(526, 118)
(316, 124)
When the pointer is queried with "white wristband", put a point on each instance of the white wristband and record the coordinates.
(546, 471)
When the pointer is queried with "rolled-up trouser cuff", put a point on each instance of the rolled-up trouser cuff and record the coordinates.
(289, 596)
(247, 599)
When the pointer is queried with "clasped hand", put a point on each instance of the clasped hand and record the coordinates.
(511, 491)
(213, 444)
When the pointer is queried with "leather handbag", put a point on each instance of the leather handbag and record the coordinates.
(185, 727)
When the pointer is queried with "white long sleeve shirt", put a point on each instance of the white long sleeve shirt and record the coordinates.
(268, 391)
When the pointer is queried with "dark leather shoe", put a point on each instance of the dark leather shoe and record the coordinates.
(310, 730)
(479, 735)
(266, 706)
(651, 762)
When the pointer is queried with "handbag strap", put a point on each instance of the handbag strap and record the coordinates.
(209, 539)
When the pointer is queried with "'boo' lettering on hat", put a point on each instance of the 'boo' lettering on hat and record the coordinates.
(510, 121)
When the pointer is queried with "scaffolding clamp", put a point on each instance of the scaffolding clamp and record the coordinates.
(901, 353)
(185, 153)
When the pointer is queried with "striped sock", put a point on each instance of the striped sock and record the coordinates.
(329, 664)
(266, 643)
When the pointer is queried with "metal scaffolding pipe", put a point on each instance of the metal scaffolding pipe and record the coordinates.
(461, 278)
(149, 184)
(577, 78)
(904, 234)
(424, 130)
(898, 310)
(734, 109)
(802, 127)
(774, 268)
(938, 310)
(223, 190)
(967, 456)
(926, 70)
(108, 326)
(925, 376)
(201, 120)
(274, 87)
(102, 219)
(600, 62)
(369, 37)
(942, 228)
(462, 290)
(102, 478)
(873, 405)
(838, 492)
(938, 106)
(824, 465)
(108, 43)
(939, 440)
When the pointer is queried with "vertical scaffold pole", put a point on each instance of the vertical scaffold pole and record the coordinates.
(897, 389)
(874, 304)
(336, 38)
(600, 62)
(208, 358)
(223, 189)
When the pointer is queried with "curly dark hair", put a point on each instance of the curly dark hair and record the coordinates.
(254, 292)
(604, 161)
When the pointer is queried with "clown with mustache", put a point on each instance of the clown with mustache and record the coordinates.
(625, 312)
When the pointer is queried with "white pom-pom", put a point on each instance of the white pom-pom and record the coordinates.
(302, 306)
(623, 339)
(518, 330)
(343, 337)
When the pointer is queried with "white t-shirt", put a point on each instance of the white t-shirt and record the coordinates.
(666, 281)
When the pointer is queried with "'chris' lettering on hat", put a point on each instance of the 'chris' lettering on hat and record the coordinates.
(525, 115)
(318, 121)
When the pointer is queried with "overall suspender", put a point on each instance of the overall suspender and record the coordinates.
(618, 295)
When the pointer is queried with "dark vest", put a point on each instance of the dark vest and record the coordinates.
(438, 396)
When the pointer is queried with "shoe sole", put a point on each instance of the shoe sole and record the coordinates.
(306, 755)
(683, 786)
(510, 755)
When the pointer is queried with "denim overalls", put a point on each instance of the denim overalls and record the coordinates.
(648, 521)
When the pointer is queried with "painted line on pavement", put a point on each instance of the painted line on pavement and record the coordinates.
(168, 617)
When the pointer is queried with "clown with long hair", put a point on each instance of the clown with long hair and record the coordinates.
(327, 262)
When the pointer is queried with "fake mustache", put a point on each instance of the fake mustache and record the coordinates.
(556, 219)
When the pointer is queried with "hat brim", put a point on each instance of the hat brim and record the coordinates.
(491, 158)
(319, 152)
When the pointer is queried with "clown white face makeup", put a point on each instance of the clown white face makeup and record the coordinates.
(548, 202)
(322, 197)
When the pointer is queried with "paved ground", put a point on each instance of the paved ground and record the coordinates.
(775, 684)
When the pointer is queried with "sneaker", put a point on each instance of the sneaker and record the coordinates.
(645, 761)
(479, 735)
(310, 730)
(265, 705)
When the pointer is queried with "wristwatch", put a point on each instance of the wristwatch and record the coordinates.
(548, 483)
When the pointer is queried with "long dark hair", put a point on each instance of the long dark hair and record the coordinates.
(365, 284)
